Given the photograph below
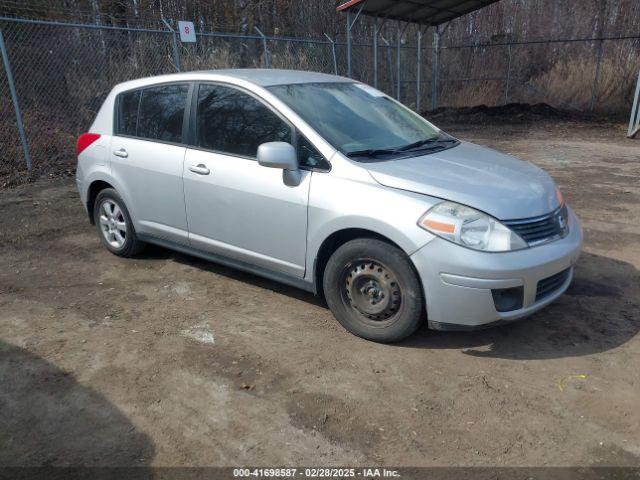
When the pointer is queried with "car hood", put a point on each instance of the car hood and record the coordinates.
(500, 185)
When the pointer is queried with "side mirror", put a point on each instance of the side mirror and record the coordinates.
(278, 155)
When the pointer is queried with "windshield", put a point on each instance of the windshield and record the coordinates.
(360, 121)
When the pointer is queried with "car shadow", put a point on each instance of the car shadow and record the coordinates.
(50, 420)
(153, 252)
(599, 311)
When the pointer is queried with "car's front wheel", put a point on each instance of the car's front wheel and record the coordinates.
(373, 290)
(114, 224)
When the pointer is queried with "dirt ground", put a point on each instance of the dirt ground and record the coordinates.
(168, 360)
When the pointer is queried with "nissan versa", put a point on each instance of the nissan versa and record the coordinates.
(329, 185)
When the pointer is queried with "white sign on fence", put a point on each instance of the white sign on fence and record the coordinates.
(187, 32)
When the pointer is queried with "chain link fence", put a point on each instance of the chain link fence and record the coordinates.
(62, 72)
(11, 157)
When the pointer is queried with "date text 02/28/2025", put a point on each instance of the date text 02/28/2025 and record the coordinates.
(315, 472)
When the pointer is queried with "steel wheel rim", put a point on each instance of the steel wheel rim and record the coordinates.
(113, 224)
(372, 290)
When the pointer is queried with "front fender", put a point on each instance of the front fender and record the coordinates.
(337, 204)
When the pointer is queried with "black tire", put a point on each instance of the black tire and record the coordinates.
(131, 245)
(373, 290)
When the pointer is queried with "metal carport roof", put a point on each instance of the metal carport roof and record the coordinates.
(425, 12)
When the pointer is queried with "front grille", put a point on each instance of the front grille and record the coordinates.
(541, 229)
(549, 285)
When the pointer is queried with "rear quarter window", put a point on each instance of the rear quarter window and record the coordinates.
(128, 113)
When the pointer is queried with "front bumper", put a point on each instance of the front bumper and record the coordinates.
(458, 281)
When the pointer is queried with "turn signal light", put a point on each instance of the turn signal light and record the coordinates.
(438, 226)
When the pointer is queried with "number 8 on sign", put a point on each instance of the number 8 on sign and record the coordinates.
(187, 32)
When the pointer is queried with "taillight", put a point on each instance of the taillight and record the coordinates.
(85, 140)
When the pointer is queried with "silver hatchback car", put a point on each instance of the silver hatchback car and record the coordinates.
(327, 184)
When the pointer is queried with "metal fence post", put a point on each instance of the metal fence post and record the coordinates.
(265, 50)
(634, 122)
(602, 15)
(399, 59)
(176, 51)
(375, 52)
(419, 68)
(435, 72)
(392, 83)
(348, 44)
(596, 78)
(508, 84)
(14, 99)
(333, 51)
(377, 28)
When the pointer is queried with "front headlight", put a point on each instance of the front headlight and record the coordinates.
(470, 228)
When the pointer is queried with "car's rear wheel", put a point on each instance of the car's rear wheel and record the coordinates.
(114, 224)
(373, 290)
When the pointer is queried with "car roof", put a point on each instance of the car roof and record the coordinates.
(265, 77)
(268, 77)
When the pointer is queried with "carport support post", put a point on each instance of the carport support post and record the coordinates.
(377, 28)
(14, 99)
(350, 25)
(434, 73)
(265, 50)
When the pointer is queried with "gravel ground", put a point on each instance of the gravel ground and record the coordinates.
(166, 360)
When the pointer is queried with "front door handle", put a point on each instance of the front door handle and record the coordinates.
(200, 169)
(122, 153)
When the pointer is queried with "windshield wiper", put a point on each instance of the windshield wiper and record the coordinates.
(405, 148)
(371, 152)
(422, 143)
(417, 144)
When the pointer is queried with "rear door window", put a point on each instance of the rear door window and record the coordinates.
(161, 113)
(234, 122)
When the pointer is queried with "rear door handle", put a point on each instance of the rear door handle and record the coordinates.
(122, 153)
(200, 169)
